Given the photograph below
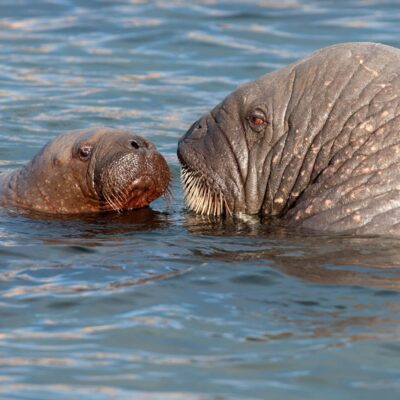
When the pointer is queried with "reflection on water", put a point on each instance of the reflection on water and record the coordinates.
(313, 256)
(159, 303)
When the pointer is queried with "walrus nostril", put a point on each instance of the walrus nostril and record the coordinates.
(141, 144)
(147, 144)
(197, 131)
(134, 144)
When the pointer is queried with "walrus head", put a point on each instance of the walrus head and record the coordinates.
(221, 153)
(314, 142)
(92, 170)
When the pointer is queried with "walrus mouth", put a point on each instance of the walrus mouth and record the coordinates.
(124, 186)
(137, 194)
(200, 196)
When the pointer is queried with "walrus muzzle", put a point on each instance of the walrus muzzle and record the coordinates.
(132, 180)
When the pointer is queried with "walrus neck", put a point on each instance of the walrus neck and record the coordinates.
(308, 152)
(314, 168)
(300, 156)
(291, 176)
(8, 188)
(22, 189)
(16, 192)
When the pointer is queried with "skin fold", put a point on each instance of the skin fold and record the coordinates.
(85, 171)
(315, 144)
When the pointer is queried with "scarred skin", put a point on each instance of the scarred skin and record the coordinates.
(315, 144)
(85, 171)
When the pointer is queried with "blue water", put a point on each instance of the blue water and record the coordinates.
(160, 303)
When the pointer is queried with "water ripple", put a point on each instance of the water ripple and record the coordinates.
(160, 303)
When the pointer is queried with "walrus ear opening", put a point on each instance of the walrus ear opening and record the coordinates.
(56, 162)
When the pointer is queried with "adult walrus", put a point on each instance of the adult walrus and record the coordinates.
(315, 144)
(91, 170)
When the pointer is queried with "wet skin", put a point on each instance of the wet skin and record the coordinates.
(85, 171)
(315, 144)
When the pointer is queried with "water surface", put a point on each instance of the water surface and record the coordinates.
(159, 303)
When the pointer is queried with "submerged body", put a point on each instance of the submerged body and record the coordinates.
(315, 144)
(91, 170)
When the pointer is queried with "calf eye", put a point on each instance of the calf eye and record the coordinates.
(85, 152)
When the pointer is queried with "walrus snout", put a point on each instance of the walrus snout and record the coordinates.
(134, 178)
(204, 191)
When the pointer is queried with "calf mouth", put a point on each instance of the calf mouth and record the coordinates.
(133, 182)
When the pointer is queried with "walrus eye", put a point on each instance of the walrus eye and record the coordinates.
(257, 121)
(85, 152)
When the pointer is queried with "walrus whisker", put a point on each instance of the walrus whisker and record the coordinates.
(124, 195)
(112, 201)
(226, 207)
(199, 196)
(112, 204)
(119, 200)
(191, 182)
(210, 203)
(108, 202)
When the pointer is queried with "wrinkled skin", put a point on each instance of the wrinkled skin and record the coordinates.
(315, 144)
(86, 171)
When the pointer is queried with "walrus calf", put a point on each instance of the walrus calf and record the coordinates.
(86, 171)
(315, 144)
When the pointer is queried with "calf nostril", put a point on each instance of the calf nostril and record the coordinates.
(134, 144)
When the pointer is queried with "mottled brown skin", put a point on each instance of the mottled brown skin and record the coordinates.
(85, 171)
(315, 144)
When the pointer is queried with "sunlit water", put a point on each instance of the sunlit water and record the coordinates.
(159, 303)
